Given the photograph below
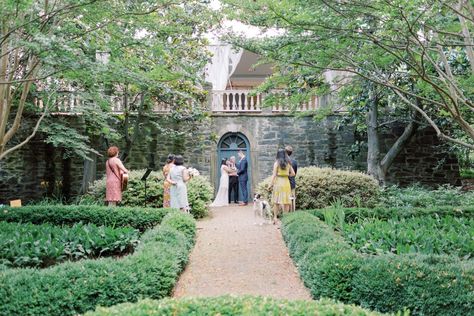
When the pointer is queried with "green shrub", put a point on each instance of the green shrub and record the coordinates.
(425, 234)
(230, 306)
(417, 196)
(321, 187)
(136, 217)
(29, 245)
(200, 192)
(424, 284)
(72, 288)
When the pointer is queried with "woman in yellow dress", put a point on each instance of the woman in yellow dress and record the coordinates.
(281, 197)
(166, 184)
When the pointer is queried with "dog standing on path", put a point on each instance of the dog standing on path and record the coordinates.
(262, 208)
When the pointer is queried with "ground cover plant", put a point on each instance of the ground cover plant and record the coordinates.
(321, 187)
(29, 245)
(330, 267)
(418, 196)
(200, 192)
(425, 234)
(72, 288)
(230, 306)
(351, 215)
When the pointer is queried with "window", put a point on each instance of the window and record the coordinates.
(233, 141)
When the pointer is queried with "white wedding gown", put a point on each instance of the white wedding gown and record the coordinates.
(222, 197)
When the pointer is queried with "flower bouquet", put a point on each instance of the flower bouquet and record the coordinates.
(193, 172)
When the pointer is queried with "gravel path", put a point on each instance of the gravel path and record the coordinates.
(237, 256)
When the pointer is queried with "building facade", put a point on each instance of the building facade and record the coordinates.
(237, 121)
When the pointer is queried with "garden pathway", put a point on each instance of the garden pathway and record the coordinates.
(234, 255)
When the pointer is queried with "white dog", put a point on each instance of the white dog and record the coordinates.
(262, 208)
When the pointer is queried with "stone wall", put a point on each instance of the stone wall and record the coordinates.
(424, 160)
(39, 170)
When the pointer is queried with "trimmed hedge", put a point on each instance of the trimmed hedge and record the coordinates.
(329, 267)
(355, 214)
(200, 192)
(231, 306)
(322, 187)
(139, 218)
(73, 288)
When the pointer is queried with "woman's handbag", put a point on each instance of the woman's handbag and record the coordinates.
(124, 181)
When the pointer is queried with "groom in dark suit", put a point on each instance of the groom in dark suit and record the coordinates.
(243, 177)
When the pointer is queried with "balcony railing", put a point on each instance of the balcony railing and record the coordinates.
(221, 101)
(242, 101)
(235, 101)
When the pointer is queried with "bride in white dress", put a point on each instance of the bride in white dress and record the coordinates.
(222, 197)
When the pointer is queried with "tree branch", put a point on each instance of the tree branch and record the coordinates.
(24, 142)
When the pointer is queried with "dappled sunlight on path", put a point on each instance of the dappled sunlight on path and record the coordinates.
(234, 255)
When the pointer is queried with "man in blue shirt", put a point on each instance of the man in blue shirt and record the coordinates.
(289, 152)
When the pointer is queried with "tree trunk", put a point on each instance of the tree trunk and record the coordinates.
(90, 171)
(373, 140)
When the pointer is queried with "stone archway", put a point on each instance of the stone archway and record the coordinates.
(234, 127)
(229, 145)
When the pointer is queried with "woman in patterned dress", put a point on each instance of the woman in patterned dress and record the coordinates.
(114, 169)
(281, 196)
(166, 184)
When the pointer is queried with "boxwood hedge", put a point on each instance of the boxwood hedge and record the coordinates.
(200, 192)
(136, 217)
(424, 284)
(321, 187)
(73, 288)
(231, 306)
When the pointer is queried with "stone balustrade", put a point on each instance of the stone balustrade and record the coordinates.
(221, 101)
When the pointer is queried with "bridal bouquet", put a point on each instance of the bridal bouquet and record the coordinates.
(193, 172)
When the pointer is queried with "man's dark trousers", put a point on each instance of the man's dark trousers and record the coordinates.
(234, 187)
(243, 179)
(243, 187)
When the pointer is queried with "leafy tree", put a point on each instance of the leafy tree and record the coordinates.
(87, 56)
(415, 55)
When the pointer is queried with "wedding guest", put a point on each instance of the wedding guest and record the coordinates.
(166, 185)
(178, 176)
(282, 170)
(289, 152)
(114, 169)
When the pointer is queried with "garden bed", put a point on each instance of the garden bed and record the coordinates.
(231, 306)
(448, 235)
(200, 192)
(331, 267)
(72, 288)
(40, 246)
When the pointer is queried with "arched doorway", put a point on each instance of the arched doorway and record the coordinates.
(228, 146)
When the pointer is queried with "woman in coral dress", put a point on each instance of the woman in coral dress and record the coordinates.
(114, 169)
(281, 196)
(166, 184)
